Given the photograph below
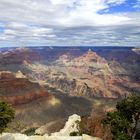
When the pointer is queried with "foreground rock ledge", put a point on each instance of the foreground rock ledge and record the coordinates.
(17, 136)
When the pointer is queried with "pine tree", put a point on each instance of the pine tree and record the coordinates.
(124, 120)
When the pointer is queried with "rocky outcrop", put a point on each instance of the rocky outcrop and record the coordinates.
(72, 125)
(19, 74)
(6, 75)
(17, 136)
(75, 87)
(17, 56)
(51, 127)
(136, 50)
(19, 90)
(72, 87)
(88, 59)
(90, 56)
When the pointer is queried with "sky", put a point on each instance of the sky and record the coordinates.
(69, 23)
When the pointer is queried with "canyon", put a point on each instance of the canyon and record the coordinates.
(88, 75)
(47, 85)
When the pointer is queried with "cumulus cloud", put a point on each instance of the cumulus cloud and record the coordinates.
(67, 22)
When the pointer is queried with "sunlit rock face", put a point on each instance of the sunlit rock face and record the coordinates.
(19, 74)
(108, 73)
(17, 89)
(88, 74)
(17, 136)
(64, 134)
(70, 126)
(136, 50)
(86, 137)
(17, 56)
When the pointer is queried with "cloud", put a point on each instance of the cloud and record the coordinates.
(67, 22)
(58, 12)
(113, 35)
(137, 5)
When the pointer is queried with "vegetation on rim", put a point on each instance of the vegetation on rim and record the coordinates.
(7, 114)
(125, 119)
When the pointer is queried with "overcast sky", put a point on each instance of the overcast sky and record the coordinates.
(69, 22)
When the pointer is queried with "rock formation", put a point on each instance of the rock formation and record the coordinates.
(70, 126)
(63, 134)
(17, 56)
(19, 90)
(88, 75)
(8, 136)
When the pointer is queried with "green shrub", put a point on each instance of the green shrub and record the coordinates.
(75, 133)
(30, 131)
(125, 119)
(7, 114)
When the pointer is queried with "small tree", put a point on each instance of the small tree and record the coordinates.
(7, 114)
(30, 131)
(124, 120)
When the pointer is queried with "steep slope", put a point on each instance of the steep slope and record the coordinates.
(17, 89)
(73, 77)
(34, 105)
(88, 75)
(17, 56)
(78, 72)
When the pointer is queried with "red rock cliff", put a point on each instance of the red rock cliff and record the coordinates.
(20, 90)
